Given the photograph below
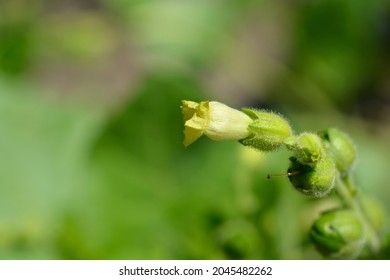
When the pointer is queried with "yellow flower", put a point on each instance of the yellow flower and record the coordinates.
(215, 120)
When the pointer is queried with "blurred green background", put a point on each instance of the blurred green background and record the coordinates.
(92, 164)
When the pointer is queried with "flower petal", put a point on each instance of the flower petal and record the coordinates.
(193, 129)
(188, 109)
(225, 123)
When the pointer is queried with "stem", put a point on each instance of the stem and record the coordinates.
(347, 191)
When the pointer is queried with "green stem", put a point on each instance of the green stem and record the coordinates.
(347, 191)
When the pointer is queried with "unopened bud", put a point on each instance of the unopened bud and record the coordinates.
(341, 148)
(308, 148)
(313, 180)
(339, 234)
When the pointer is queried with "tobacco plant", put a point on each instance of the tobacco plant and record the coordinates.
(321, 164)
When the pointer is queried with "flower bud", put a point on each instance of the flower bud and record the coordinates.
(316, 180)
(340, 147)
(215, 120)
(338, 234)
(268, 129)
(308, 148)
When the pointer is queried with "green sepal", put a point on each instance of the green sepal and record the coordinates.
(269, 130)
(290, 142)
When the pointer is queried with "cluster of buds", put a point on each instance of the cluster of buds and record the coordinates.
(313, 169)
(318, 161)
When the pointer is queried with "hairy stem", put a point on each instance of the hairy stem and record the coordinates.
(347, 191)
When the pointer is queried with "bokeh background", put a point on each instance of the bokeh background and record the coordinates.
(92, 164)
